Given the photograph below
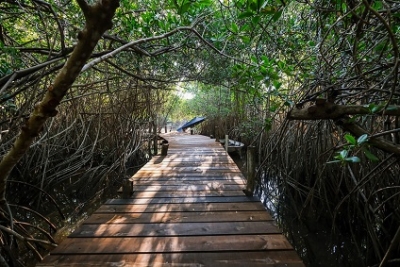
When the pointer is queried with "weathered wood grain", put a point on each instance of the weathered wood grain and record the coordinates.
(192, 207)
(177, 216)
(176, 229)
(177, 200)
(128, 245)
(187, 259)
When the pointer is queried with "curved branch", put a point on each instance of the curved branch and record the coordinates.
(43, 192)
(60, 27)
(328, 110)
(52, 226)
(84, 7)
(41, 230)
(4, 81)
(132, 44)
(154, 38)
(377, 142)
(28, 240)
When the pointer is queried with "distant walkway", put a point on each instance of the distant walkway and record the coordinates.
(188, 209)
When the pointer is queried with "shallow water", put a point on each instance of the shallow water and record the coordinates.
(314, 240)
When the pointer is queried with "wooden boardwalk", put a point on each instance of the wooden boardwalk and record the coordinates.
(188, 209)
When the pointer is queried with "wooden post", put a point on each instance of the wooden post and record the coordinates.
(251, 170)
(164, 148)
(127, 188)
(155, 141)
(226, 142)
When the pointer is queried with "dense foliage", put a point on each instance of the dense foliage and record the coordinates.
(313, 84)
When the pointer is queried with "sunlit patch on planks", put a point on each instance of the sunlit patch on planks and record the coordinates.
(188, 209)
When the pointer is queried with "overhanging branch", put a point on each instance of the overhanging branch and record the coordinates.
(135, 43)
(325, 110)
(377, 142)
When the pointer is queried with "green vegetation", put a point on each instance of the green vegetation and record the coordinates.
(86, 85)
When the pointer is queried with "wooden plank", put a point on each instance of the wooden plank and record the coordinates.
(188, 259)
(180, 163)
(111, 245)
(176, 216)
(186, 180)
(171, 174)
(189, 188)
(176, 229)
(186, 200)
(174, 154)
(182, 193)
(194, 158)
(183, 207)
(186, 153)
(184, 170)
(159, 174)
(207, 158)
(200, 148)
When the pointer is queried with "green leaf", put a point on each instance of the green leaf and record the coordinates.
(258, 77)
(343, 154)
(254, 6)
(273, 107)
(245, 14)
(263, 70)
(277, 84)
(243, 80)
(277, 15)
(245, 27)
(344, 7)
(269, 10)
(255, 20)
(184, 8)
(391, 108)
(262, 3)
(234, 28)
(377, 5)
(11, 107)
(374, 108)
(245, 39)
(289, 103)
(273, 75)
(369, 155)
(353, 159)
(362, 139)
(350, 139)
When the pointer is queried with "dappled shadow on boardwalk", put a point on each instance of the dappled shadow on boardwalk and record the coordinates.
(188, 209)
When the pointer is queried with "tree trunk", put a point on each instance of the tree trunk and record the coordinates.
(98, 19)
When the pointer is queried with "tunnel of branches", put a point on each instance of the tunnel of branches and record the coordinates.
(313, 85)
